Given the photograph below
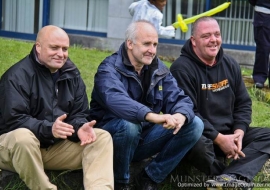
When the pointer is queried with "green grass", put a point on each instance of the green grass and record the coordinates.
(87, 60)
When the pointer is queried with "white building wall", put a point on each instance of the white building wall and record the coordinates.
(118, 18)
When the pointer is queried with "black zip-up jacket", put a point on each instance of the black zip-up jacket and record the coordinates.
(219, 94)
(30, 99)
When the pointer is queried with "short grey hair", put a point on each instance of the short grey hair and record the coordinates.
(131, 32)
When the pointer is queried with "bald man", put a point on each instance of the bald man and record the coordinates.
(43, 125)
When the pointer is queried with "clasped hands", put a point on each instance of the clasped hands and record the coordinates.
(175, 121)
(62, 130)
(231, 145)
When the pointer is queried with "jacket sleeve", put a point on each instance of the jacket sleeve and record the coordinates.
(175, 100)
(168, 31)
(187, 82)
(156, 19)
(252, 2)
(80, 109)
(242, 105)
(132, 7)
(15, 108)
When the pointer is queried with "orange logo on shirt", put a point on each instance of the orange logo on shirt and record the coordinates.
(216, 86)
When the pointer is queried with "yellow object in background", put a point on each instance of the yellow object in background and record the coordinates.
(182, 24)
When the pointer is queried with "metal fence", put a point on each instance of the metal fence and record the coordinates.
(91, 15)
(235, 21)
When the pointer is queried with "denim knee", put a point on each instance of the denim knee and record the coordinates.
(197, 127)
(129, 130)
(123, 129)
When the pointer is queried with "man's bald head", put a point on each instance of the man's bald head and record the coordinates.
(49, 30)
(52, 45)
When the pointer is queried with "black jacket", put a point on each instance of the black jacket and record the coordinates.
(30, 99)
(219, 94)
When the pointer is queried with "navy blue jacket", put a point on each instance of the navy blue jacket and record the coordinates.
(119, 93)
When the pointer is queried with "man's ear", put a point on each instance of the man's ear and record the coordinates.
(38, 47)
(192, 41)
(129, 44)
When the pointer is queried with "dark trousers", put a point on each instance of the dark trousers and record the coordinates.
(262, 39)
(256, 146)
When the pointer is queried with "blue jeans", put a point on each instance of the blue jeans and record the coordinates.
(130, 146)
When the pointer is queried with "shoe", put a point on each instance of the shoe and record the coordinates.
(258, 85)
(143, 182)
(228, 181)
(122, 186)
